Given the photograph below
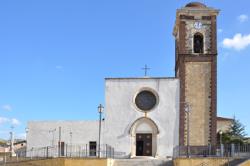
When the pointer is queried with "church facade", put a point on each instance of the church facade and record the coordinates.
(150, 116)
(142, 115)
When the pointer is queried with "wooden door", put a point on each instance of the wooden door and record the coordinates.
(61, 147)
(143, 144)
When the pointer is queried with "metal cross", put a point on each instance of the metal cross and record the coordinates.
(145, 70)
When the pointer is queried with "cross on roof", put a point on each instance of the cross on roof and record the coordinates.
(145, 70)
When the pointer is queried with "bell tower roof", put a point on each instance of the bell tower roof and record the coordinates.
(196, 5)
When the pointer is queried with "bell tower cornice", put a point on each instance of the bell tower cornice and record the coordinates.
(197, 12)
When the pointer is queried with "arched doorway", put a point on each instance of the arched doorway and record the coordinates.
(143, 134)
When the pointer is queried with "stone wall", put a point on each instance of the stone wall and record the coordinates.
(190, 32)
(201, 161)
(198, 92)
(65, 162)
(246, 163)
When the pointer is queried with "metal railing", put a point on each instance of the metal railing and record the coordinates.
(106, 151)
(68, 151)
(223, 150)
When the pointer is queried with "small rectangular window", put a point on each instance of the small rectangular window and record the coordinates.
(186, 17)
(206, 17)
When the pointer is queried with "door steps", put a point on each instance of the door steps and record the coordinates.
(143, 162)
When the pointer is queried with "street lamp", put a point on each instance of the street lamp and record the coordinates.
(187, 109)
(100, 110)
(221, 145)
(26, 136)
(221, 136)
(70, 142)
(26, 131)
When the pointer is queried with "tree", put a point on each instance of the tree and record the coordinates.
(236, 134)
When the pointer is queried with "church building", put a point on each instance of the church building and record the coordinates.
(151, 116)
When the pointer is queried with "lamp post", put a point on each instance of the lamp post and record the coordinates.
(220, 136)
(100, 110)
(26, 136)
(221, 145)
(187, 110)
(70, 142)
(26, 133)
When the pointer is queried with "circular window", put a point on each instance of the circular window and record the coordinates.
(145, 100)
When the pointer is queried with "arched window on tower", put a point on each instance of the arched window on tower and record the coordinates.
(198, 43)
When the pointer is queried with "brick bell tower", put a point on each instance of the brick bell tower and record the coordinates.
(196, 67)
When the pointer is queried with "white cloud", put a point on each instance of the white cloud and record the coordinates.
(3, 120)
(238, 42)
(7, 107)
(243, 18)
(14, 121)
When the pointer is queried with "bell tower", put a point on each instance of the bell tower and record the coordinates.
(196, 67)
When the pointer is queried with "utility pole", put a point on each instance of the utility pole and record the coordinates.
(13, 154)
(26, 137)
(53, 137)
(59, 141)
(70, 143)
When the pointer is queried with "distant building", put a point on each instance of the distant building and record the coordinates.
(18, 146)
(224, 124)
(4, 148)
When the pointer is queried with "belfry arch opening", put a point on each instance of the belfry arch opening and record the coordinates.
(198, 43)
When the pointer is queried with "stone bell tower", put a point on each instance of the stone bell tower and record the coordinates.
(196, 67)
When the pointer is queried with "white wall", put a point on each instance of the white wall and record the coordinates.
(82, 132)
(121, 112)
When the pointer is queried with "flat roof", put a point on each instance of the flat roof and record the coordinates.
(224, 119)
(123, 78)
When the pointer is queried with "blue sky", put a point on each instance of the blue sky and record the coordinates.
(54, 55)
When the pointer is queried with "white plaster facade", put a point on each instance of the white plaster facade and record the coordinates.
(122, 119)
(46, 133)
(122, 113)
